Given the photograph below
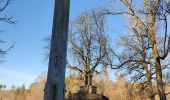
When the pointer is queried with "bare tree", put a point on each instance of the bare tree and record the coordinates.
(88, 45)
(150, 16)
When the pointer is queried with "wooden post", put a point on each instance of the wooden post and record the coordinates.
(55, 85)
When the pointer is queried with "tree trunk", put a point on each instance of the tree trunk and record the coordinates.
(151, 91)
(85, 79)
(55, 85)
(158, 69)
(159, 81)
(89, 79)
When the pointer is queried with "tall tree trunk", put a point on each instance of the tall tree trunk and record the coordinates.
(158, 69)
(159, 81)
(55, 86)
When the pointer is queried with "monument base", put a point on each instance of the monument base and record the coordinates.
(86, 95)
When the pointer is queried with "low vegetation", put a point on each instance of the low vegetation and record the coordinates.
(120, 89)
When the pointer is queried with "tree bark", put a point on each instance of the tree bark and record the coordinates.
(85, 79)
(148, 75)
(89, 79)
(151, 91)
(158, 69)
(55, 85)
(159, 81)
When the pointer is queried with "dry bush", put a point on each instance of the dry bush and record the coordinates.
(36, 91)
(113, 90)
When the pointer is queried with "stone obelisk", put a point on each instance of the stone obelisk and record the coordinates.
(55, 85)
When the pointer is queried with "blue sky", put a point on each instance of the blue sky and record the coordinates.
(34, 22)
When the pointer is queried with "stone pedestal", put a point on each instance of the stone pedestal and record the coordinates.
(91, 89)
(90, 95)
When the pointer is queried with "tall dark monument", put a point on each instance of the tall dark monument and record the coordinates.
(55, 87)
